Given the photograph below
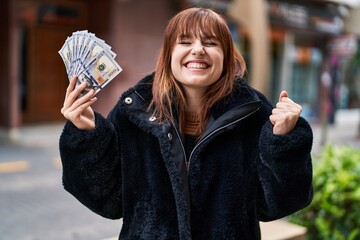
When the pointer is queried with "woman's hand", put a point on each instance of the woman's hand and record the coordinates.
(78, 110)
(285, 114)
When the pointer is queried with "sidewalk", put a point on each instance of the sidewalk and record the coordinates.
(343, 132)
(42, 135)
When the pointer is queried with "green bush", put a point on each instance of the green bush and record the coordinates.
(334, 213)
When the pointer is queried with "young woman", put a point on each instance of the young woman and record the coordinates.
(191, 151)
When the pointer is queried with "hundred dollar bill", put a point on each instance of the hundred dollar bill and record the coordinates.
(92, 50)
(70, 43)
(65, 54)
(100, 71)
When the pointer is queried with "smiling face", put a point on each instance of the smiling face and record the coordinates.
(197, 63)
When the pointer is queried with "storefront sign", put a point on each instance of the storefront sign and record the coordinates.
(345, 46)
(219, 5)
(323, 18)
(60, 13)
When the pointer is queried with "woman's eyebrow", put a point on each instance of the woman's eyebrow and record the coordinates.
(182, 36)
(209, 37)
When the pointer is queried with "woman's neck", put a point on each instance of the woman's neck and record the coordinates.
(192, 122)
(194, 100)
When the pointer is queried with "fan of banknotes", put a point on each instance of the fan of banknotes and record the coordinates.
(89, 58)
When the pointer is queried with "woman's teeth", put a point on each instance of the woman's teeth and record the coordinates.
(197, 65)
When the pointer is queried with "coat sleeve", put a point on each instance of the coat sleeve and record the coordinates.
(285, 171)
(91, 166)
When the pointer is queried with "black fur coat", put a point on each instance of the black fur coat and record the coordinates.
(131, 167)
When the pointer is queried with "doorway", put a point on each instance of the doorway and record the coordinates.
(43, 80)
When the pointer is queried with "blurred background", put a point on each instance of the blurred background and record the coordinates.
(308, 47)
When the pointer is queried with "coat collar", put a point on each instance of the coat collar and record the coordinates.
(225, 115)
(243, 94)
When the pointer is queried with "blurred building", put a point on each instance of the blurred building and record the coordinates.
(302, 46)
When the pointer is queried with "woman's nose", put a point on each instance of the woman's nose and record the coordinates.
(197, 48)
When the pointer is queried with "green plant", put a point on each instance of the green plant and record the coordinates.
(334, 213)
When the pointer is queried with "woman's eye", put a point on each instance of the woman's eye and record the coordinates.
(210, 43)
(184, 42)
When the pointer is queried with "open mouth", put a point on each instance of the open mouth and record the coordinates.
(196, 65)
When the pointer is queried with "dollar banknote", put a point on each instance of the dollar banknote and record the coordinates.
(90, 59)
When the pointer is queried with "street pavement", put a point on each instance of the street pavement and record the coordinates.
(34, 205)
(344, 131)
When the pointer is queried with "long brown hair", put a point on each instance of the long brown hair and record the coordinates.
(167, 92)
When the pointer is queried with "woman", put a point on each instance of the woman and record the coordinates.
(191, 151)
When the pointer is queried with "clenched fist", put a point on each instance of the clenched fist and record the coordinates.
(285, 115)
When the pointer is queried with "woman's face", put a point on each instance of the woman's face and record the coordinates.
(197, 63)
